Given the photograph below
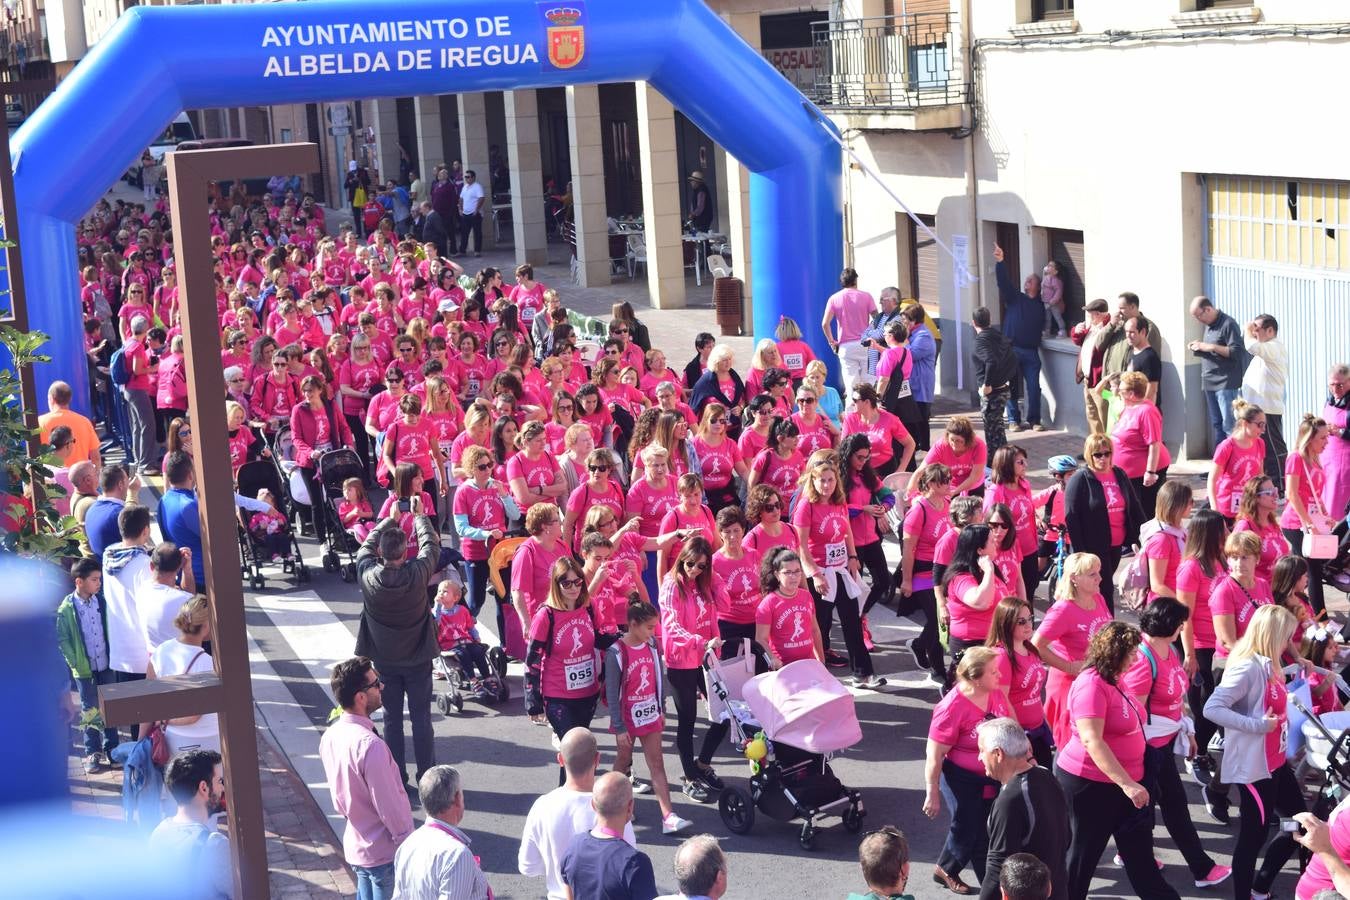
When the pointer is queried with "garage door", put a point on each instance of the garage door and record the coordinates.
(1066, 249)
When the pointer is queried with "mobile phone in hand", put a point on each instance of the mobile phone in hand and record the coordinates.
(405, 505)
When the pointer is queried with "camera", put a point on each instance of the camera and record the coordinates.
(1291, 826)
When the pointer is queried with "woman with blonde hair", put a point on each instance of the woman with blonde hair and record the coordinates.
(578, 443)
(1137, 439)
(1101, 510)
(1251, 704)
(1305, 483)
(962, 452)
(794, 352)
(1079, 612)
(765, 357)
(1256, 512)
(1238, 458)
(184, 655)
(719, 459)
(533, 473)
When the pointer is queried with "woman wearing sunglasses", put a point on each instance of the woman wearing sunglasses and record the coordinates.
(597, 490)
(719, 458)
(818, 432)
(1101, 510)
(688, 632)
(764, 507)
(759, 424)
(1079, 612)
(481, 509)
(562, 677)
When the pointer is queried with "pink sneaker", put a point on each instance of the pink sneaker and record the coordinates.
(1217, 875)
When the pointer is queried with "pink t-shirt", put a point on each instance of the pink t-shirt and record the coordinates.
(961, 466)
(1068, 627)
(1168, 549)
(1277, 705)
(239, 442)
(968, 623)
(485, 510)
(796, 356)
(1019, 499)
(929, 525)
(359, 378)
(1024, 687)
(1165, 693)
(853, 310)
(751, 443)
(789, 620)
(639, 704)
(650, 504)
(530, 572)
(610, 600)
(1139, 426)
(893, 358)
(879, 433)
(570, 669)
(1090, 697)
(779, 472)
(1312, 482)
(537, 473)
(445, 426)
(814, 435)
(764, 543)
(412, 443)
(827, 532)
(1191, 578)
(955, 721)
(1233, 466)
(738, 594)
(1115, 505)
(945, 549)
(1228, 598)
(718, 463)
(1317, 877)
(676, 518)
(584, 497)
(1273, 545)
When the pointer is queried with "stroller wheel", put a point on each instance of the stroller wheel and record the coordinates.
(330, 562)
(853, 818)
(808, 836)
(443, 704)
(737, 812)
(458, 700)
(301, 573)
(348, 572)
(497, 659)
(258, 582)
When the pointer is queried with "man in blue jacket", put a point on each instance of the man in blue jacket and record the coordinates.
(179, 520)
(100, 523)
(1023, 315)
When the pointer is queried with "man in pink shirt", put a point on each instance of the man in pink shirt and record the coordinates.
(365, 782)
(851, 310)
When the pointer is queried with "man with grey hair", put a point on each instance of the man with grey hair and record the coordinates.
(1030, 814)
(144, 450)
(700, 869)
(437, 860)
(563, 812)
(599, 863)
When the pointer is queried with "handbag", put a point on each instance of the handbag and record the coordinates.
(1317, 546)
(159, 745)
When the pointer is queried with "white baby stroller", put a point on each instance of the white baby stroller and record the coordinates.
(806, 716)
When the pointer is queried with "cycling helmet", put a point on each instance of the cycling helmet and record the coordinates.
(1062, 463)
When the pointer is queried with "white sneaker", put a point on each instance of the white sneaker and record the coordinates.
(639, 786)
(673, 823)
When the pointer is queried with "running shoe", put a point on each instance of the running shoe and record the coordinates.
(92, 764)
(695, 790)
(835, 660)
(1217, 875)
(920, 656)
(639, 786)
(1201, 768)
(1120, 862)
(672, 824)
(709, 777)
(869, 682)
(1217, 807)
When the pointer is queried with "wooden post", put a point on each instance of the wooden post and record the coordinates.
(229, 693)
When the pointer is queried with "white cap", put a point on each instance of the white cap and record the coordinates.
(447, 305)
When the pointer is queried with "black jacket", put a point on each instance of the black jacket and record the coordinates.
(1085, 513)
(396, 625)
(1030, 815)
(995, 362)
(434, 230)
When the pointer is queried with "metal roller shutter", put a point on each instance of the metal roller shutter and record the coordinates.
(1066, 249)
(924, 285)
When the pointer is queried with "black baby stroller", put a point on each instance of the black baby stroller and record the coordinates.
(335, 467)
(254, 553)
(806, 715)
(490, 689)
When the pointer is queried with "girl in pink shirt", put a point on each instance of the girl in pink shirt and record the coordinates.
(882, 428)
(1256, 513)
(688, 633)
(1233, 600)
(611, 583)
(1008, 558)
(780, 463)
(1079, 612)
(1021, 673)
(718, 456)
(972, 587)
(1008, 485)
(736, 571)
(533, 473)
(1202, 564)
(1166, 539)
(1305, 485)
(925, 524)
(818, 432)
(355, 512)
(599, 489)
(1239, 457)
(785, 620)
(755, 437)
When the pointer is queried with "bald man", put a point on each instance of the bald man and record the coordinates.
(599, 863)
(84, 488)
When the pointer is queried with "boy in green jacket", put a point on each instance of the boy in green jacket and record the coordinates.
(82, 633)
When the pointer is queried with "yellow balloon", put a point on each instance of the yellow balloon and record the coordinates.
(756, 750)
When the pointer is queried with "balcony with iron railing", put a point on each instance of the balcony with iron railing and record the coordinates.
(903, 70)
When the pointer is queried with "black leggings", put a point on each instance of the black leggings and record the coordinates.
(1165, 789)
(733, 634)
(1098, 812)
(1148, 496)
(873, 559)
(686, 685)
(850, 623)
(929, 642)
(1315, 569)
(1201, 686)
(1261, 805)
(1031, 577)
(316, 517)
(360, 442)
(565, 714)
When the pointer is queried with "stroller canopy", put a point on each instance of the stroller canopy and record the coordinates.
(804, 706)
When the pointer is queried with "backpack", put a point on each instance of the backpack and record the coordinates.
(118, 369)
(1132, 581)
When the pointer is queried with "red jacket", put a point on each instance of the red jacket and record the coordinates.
(305, 431)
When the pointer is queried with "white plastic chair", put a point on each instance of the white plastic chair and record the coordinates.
(637, 252)
(717, 265)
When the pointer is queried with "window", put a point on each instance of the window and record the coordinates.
(1066, 249)
(1275, 220)
(1042, 10)
(1220, 4)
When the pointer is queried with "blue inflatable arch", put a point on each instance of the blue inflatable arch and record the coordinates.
(158, 61)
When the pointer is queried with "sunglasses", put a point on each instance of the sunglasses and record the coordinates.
(280, 365)
(764, 411)
(999, 526)
(1101, 454)
(805, 401)
(619, 331)
(719, 421)
(598, 468)
(569, 582)
(1268, 493)
(482, 467)
(405, 349)
(772, 507)
(502, 344)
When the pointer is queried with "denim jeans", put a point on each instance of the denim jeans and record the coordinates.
(88, 687)
(374, 882)
(969, 798)
(414, 682)
(1220, 405)
(1030, 362)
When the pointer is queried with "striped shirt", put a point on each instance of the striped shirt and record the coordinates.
(436, 862)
